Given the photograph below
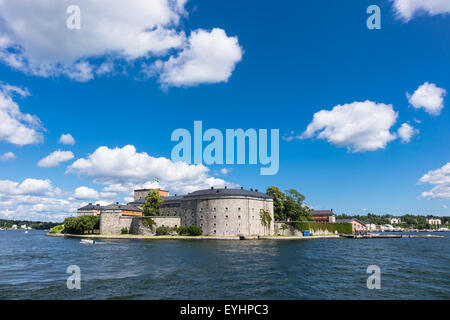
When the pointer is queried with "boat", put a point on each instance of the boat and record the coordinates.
(87, 241)
(26, 232)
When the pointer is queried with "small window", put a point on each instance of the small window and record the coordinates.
(239, 209)
(214, 217)
(214, 231)
(214, 224)
(239, 217)
(214, 209)
(226, 217)
(226, 209)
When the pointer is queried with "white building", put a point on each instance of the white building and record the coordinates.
(371, 227)
(395, 220)
(14, 226)
(434, 222)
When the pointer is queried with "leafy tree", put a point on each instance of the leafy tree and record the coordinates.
(81, 224)
(294, 209)
(152, 204)
(266, 218)
(279, 198)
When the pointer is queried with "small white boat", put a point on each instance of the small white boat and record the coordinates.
(26, 232)
(87, 241)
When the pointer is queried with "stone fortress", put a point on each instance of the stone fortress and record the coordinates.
(219, 212)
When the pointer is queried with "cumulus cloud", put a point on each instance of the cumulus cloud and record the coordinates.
(111, 34)
(35, 199)
(359, 126)
(406, 9)
(124, 169)
(29, 187)
(55, 158)
(67, 139)
(208, 57)
(406, 132)
(85, 193)
(440, 178)
(7, 156)
(107, 26)
(16, 127)
(429, 97)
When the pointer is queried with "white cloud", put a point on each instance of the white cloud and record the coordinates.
(441, 179)
(406, 131)
(67, 139)
(7, 156)
(16, 127)
(406, 9)
(429, 97)
(55, 158)
(34, 199)
(225, 171)
(124, 169)
(32, 44)
(208, 57)
(85, 193)
(29, 187)
(111, 34)
(359, 126)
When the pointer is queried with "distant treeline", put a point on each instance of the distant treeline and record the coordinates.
(407, 220)
(38, 225)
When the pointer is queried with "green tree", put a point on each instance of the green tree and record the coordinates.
(152, 204)
(266, 219)
(294, 208)
(81, 224)
(279, 198)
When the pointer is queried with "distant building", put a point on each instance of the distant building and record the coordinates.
(371, 227)
(14, 226)
(434, 222)
(356, 224)
(395, 220)
(24, 226)
(123, 209)
(90, 210)
(324, 216)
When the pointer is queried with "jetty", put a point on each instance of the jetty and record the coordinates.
(387, 236)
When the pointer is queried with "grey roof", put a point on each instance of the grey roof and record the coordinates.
(228, 192)
(115, 206)
(322, 213)
(91, 206)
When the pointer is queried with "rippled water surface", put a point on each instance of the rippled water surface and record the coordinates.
(33, 266)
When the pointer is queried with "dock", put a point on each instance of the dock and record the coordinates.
(387, 236)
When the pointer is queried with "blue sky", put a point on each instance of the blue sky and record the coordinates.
(231, 65)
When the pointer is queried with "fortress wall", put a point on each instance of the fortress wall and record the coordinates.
(227, 216)
(112, 222)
